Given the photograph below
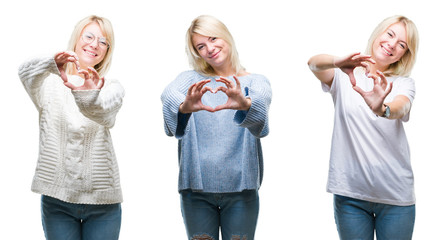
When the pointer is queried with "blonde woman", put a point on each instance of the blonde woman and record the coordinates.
(218, 112)
(77, 173)
(370, 172)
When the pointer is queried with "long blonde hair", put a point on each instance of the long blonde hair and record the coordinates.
(404, 66)
(106, 27)
(210, 26)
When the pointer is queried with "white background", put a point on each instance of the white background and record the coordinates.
(274, 38)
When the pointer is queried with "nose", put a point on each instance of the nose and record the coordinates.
(94, 43)
(210, 48)
(392, 43)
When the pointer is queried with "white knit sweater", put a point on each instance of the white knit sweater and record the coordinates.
(76, 163)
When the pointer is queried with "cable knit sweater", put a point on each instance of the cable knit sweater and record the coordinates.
(76, 163)
(218, 152)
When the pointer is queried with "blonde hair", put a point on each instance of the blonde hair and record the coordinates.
(404, 66)
(106, 27)
(211, 27)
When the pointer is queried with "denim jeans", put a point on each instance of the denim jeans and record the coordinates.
(235, 213)
(69, 221)
(358, 220)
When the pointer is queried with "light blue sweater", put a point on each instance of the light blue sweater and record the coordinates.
(218, 152)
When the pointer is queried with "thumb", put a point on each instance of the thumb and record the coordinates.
(359, 90)
(388, 90)
(352, 78)
(101, 83)
(69, 85)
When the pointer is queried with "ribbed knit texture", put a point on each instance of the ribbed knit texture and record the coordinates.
(218, 152)
(76, 162)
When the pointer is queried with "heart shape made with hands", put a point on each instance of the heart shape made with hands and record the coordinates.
(214, 99)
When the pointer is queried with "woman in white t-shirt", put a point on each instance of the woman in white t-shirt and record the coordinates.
(370, 172)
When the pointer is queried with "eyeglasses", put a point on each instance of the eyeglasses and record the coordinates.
(89, 38)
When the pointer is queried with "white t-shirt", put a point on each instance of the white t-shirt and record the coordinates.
(370, 156)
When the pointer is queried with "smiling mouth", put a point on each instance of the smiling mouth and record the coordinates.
(90, 53)
(215, 54)
(386, 51)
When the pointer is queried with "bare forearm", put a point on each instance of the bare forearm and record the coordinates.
(321, 62)
(399, 107)
(322, 66)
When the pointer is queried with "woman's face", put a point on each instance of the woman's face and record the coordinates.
(215, 51)
(92, 46)
(390, 46)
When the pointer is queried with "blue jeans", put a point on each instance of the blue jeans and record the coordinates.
(235, 213)
(358, 220)
(69, 221)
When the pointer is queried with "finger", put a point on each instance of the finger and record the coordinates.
(76, 59)
(63, 76)
(371, 60)
(353, 56)
(190, 89)
(70, 85)
(60, 58)
(382, 76)
(71, 53)
(85, 73)
(208, 108)
(206, 89)
(58, 55)
(101, 83)
(359, 90)
(375, 79)
(362, 57)
(221, 88)
(237, 82)
(95, 75)
(352, 79)
(226, 81)
(220, 107)
(367, 67)
(388, 90)
(75, 62)
(201, 84)
(67, 56)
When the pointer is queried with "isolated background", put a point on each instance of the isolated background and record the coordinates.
(274, 38)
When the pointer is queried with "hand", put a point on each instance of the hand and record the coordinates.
(62, 58)
(92, 80)
(348, 63)
(236, 99)
(193, 100)
(375, 97)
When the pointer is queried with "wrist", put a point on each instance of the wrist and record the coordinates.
(334, 59)
(248, 104)
(384, 111)
(181, 108)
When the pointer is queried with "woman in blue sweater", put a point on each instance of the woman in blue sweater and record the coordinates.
(218, 112)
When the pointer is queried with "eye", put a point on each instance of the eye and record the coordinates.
(88, 36)
(390, 34)
(200, 47)
(213, 39)
(402, 46)
(103, 42)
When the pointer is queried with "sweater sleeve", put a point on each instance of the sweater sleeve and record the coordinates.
(101, 105)
(256, 119)
(175, 123)
(33, 73)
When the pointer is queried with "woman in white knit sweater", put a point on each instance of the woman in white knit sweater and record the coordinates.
(77, 173)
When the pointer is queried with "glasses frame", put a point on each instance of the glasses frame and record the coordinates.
(101, 40)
